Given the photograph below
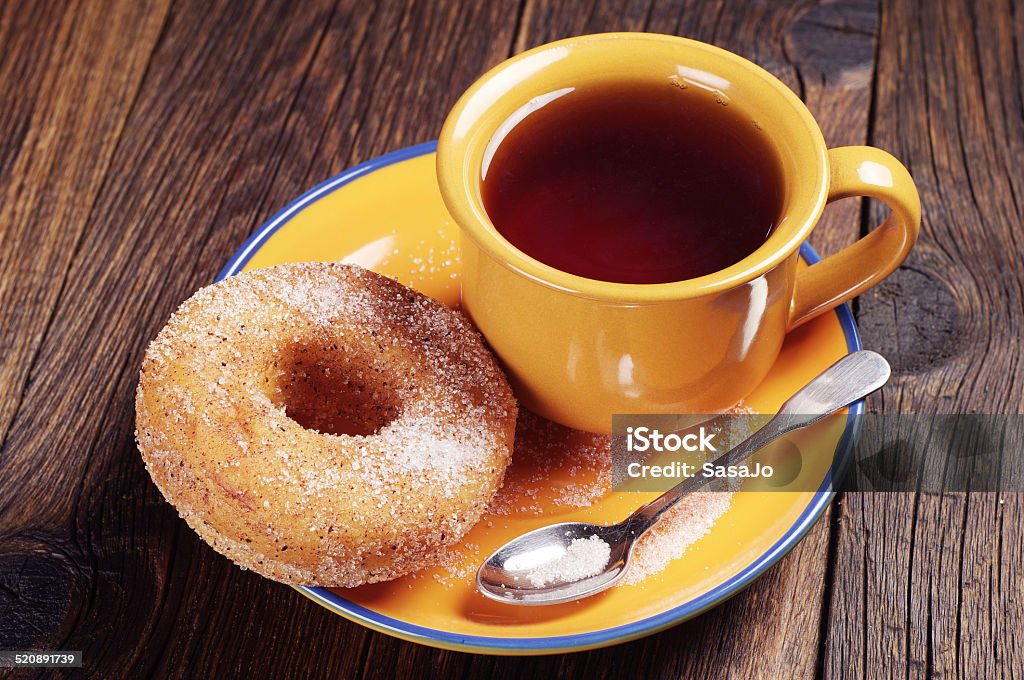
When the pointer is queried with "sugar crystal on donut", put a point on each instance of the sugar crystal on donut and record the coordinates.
(322, 424)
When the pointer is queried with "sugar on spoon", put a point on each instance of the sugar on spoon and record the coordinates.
(509, 575)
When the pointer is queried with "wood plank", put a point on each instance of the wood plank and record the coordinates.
(927, 584)
(69, 74)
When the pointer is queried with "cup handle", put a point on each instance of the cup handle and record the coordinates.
(860, 171)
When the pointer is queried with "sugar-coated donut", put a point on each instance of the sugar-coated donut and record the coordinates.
(322, 424)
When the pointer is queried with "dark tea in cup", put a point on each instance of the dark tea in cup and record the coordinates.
(633, 183)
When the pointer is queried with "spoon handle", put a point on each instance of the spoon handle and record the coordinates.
(848, 380)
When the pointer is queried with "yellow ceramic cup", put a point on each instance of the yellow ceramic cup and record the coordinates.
(579, 350)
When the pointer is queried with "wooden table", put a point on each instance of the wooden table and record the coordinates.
(141, 142)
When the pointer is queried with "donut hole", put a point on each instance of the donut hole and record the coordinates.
(323, 386)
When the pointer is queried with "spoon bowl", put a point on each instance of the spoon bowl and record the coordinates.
(510, 574)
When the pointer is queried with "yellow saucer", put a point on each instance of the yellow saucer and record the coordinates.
(387, 215)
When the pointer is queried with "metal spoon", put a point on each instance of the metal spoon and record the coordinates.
(505, 576)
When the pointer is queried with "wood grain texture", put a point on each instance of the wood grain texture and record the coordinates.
(943, 572)
(141, 143)
(70, 76)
